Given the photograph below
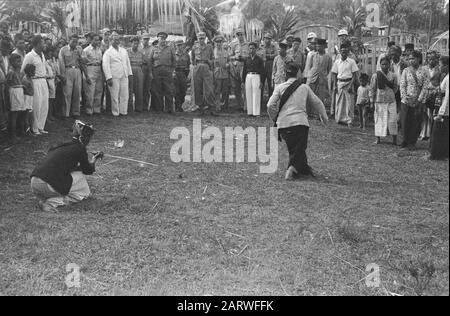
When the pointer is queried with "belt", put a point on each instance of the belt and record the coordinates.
(94, 65)
(181, 69)
(345, 80)
(203, 62)
(35, 78)
(253, 73)
(162, 66)
(73, 67)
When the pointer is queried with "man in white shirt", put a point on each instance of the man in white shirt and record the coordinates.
(117, 69)
(345, 76)
(40, 86)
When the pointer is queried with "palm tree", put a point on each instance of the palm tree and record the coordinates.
(56, 17)
(391, 8)
(284, 23)
(4, 12)
(433, 8)
(356, 19)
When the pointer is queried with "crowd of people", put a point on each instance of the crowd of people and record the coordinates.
(42, 80)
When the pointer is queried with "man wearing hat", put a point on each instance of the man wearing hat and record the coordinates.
(72, 67)
(147, 49)
(239, 50)
(136, 84)
(162, 65)
(93, 57)
(317, 71)
(297, 55)
(182, 68)
(311, 45)
(203, 60)
(279, 65)
(268, 51)
(221, 72)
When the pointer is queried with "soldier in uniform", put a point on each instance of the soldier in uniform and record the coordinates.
(136, 84)
(162, 65)
(239, 50)
(203, 59)
(182, 65)
(72, 67)
(268, 52)
(221, 72)
(147, 49)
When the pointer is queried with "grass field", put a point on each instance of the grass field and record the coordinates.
(225, 229)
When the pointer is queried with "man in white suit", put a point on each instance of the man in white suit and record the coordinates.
(117, 69)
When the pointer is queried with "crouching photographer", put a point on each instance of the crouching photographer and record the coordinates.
(59, 179)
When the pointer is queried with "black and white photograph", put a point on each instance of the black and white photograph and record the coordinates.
(224, 155)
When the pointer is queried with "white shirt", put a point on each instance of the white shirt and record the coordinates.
(443, 111)
(38, 61)
(345, 68)
(116, 63)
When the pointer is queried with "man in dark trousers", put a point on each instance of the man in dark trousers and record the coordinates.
(287, 108)
(182, 64)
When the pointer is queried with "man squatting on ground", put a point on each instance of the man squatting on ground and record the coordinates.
(60, 178)
(287, 108)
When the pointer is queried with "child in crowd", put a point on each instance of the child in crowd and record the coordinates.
(16, 98)
(363, 100)
(383, 88)
(28, 92)
(51, 81)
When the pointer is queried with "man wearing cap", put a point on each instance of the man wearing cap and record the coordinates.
(203, 60)
(279, 65)
(297, 55)
(311, 43)
(268, 52)
(162, 65)
(239, 50)
(72, 67)
(343, 37)
(317, 71)
(117, 68)
(182, 67)
(253, 69)
(148, 77)
(221, 72)
(136, 84)
(93, 57)
(344, 73)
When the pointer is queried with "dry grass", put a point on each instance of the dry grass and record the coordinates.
(157, 231)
